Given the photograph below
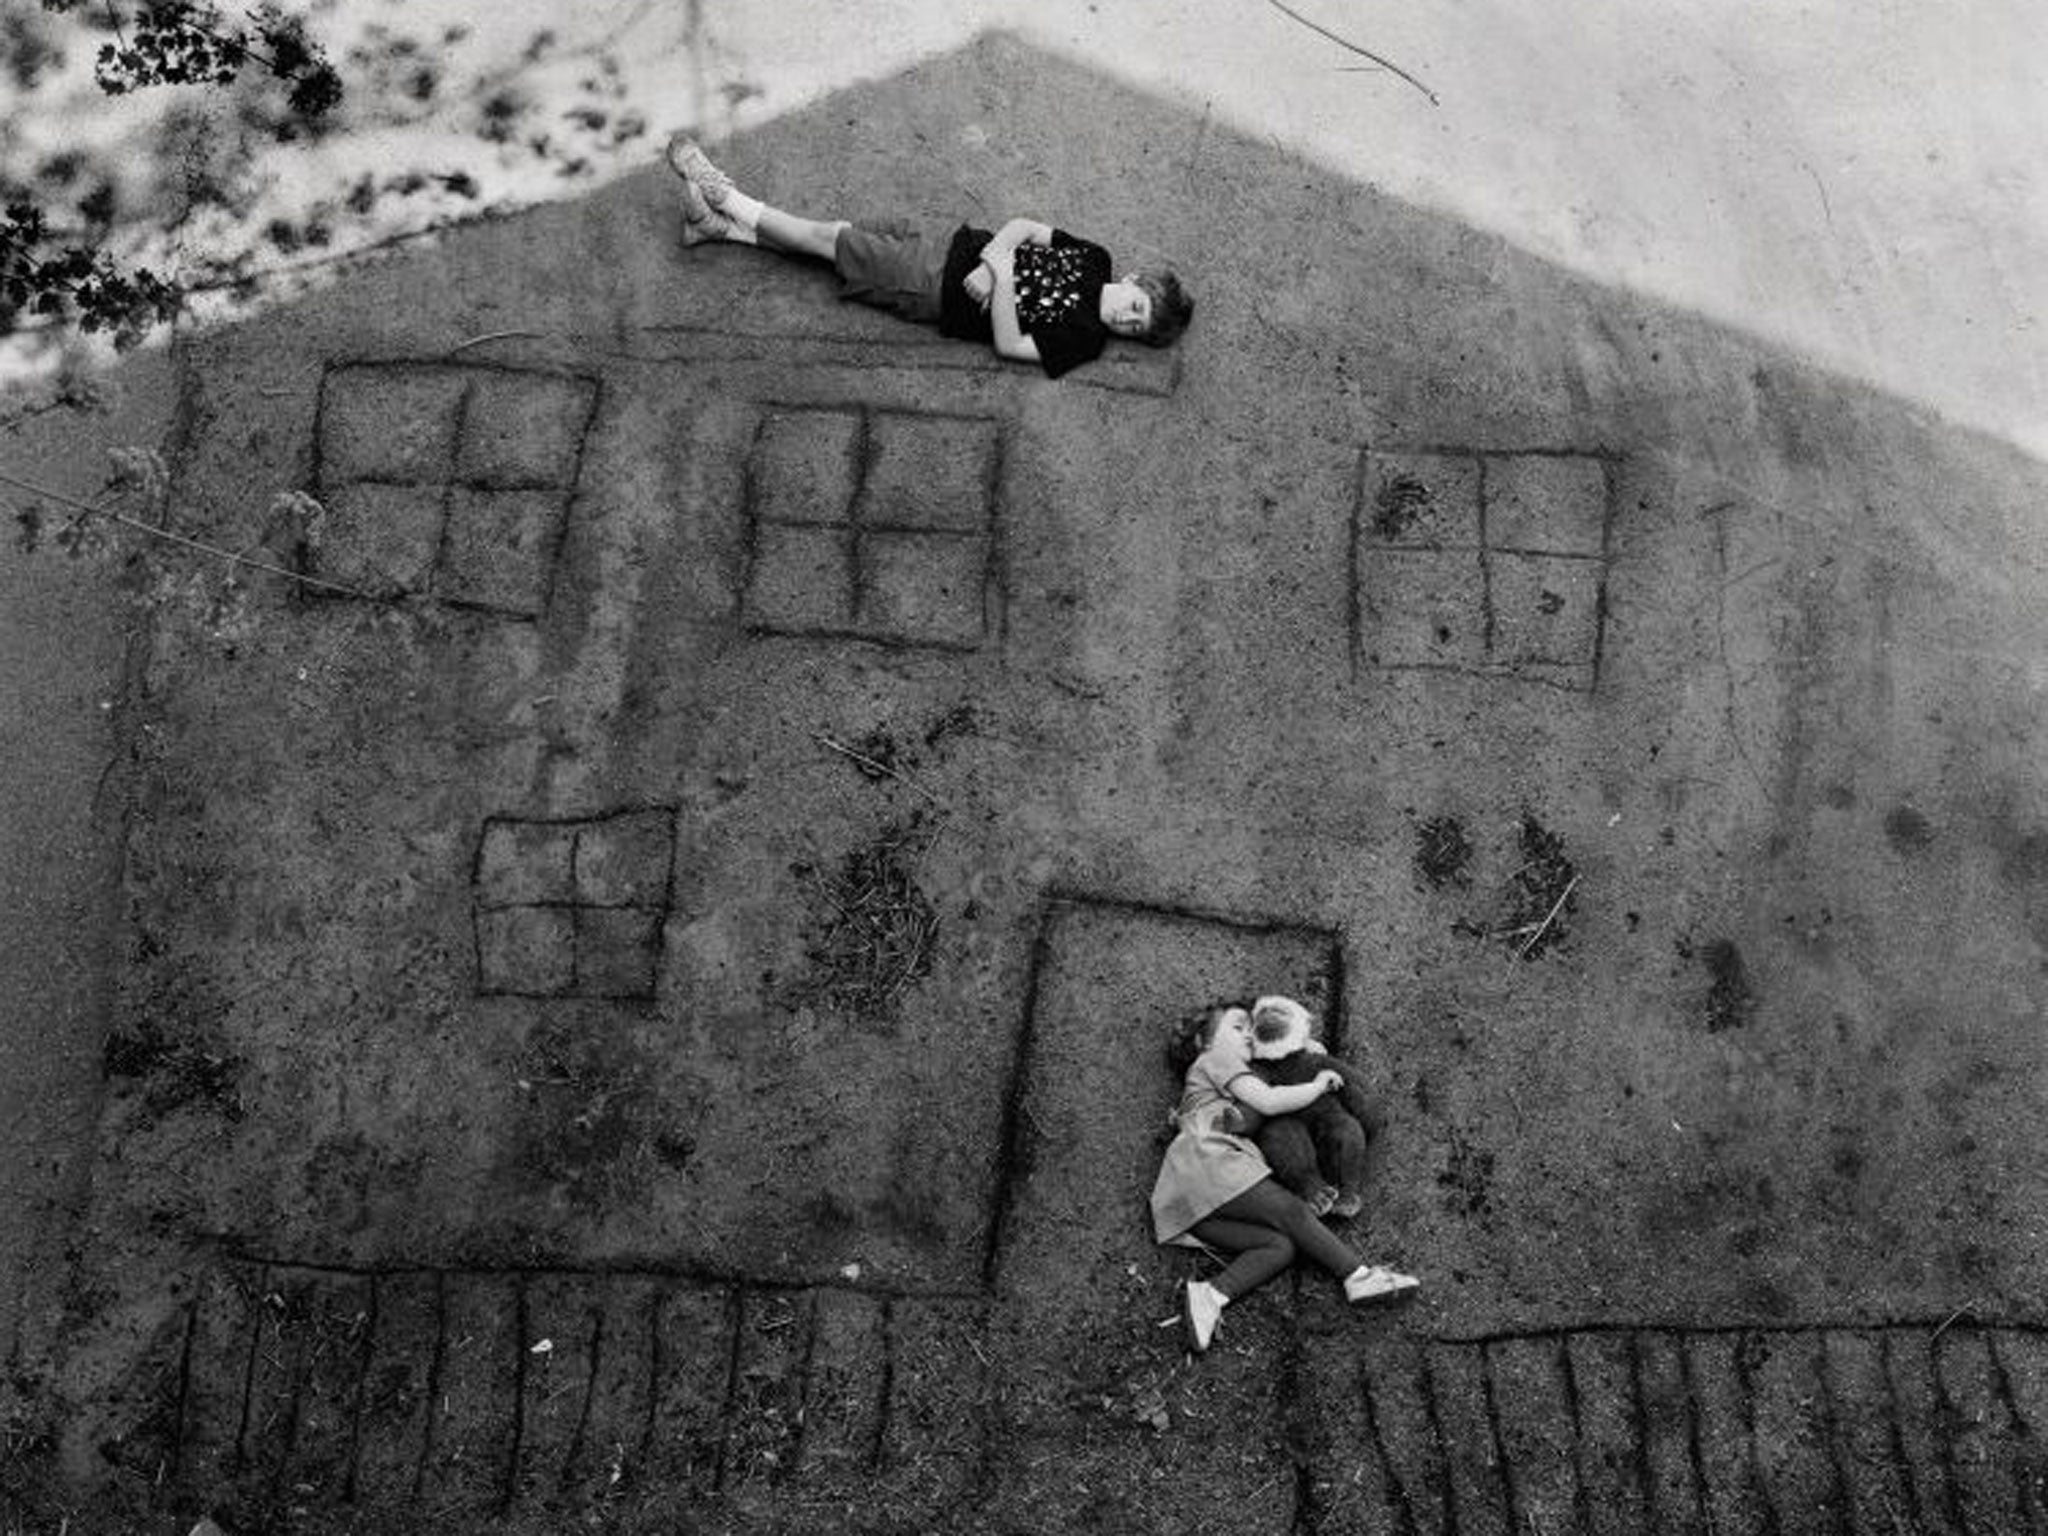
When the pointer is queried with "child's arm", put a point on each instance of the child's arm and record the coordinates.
(1356, 1094)
(980, 283)
(1268, 1099)
(1009, 338)
(1015, 233)
(1359, 1098)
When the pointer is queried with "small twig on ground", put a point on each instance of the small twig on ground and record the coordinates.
(178, 538)
(862, 758)
(477, 341)
(1556, 907)
(1258, 1490)
(100, 784)
(1364, 53)
(1944, 1328)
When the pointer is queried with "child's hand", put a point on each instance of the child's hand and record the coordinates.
(1000, 264)
(979, 283)
(1329, 1081)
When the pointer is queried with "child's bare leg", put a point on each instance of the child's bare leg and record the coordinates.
(719, 210)
(794, 233)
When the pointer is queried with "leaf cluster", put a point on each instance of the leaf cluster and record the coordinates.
(161, 42)
(68, 282)
(189, 42)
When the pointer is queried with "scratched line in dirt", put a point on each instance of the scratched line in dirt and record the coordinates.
(1487, 561)
(877, 525)
(449, 481)
(1124, 371)
(465, 1392)
(1714, 1431)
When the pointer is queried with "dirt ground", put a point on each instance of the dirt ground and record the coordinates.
(646, 1010)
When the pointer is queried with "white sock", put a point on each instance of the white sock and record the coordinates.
(743, 210)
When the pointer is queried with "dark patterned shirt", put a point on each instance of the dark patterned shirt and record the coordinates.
(1059, 297)
(1059, 300)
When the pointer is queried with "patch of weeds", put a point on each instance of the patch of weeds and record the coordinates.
(1443, 852)
(881, 755)
(1137, 1398)
(766, 1409)
(1752, 1354)
(675, 1149)
(28, 1445)
(963, 719)
(144, 1408)
(1908, 830)
(1468, 1178)
(1398, 504)
(175, 1072)
(873, 932)
(1539, 899)
(1731, 1003)
(1544, 886)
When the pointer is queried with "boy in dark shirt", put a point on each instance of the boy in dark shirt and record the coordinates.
(1034, 293)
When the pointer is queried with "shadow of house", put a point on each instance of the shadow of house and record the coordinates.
(696, 929)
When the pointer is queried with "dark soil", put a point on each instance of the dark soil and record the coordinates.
(1730, 1001)
(1399, 503)
(1467, 1179)
(174, 1072)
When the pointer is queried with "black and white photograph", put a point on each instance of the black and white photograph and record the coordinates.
(979, 768)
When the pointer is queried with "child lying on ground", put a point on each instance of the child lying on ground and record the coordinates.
(1320, 1150)
(1034, 293)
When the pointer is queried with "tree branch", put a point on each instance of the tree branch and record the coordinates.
(155, 532)
(1364, 53)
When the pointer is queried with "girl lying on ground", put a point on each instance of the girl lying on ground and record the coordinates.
(1214, 1189)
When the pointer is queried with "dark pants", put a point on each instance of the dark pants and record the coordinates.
(1319, 1145)
(1266, 1227)
(893, 266)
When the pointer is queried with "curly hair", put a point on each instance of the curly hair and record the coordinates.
(1187, 1036)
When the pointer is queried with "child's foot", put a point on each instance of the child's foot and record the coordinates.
(1369, 1282)
(1321, 1198)
(691, 163)
(701, 221)
(1201, 1305)
(1347, 1206)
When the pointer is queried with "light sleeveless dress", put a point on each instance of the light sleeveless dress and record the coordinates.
(1205, 1166)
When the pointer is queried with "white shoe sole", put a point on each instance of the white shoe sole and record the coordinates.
(1383, 1282)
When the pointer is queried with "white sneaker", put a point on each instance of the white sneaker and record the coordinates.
(695, 167)
(702, 222)
(1200, 1307)
(1374, 1281)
